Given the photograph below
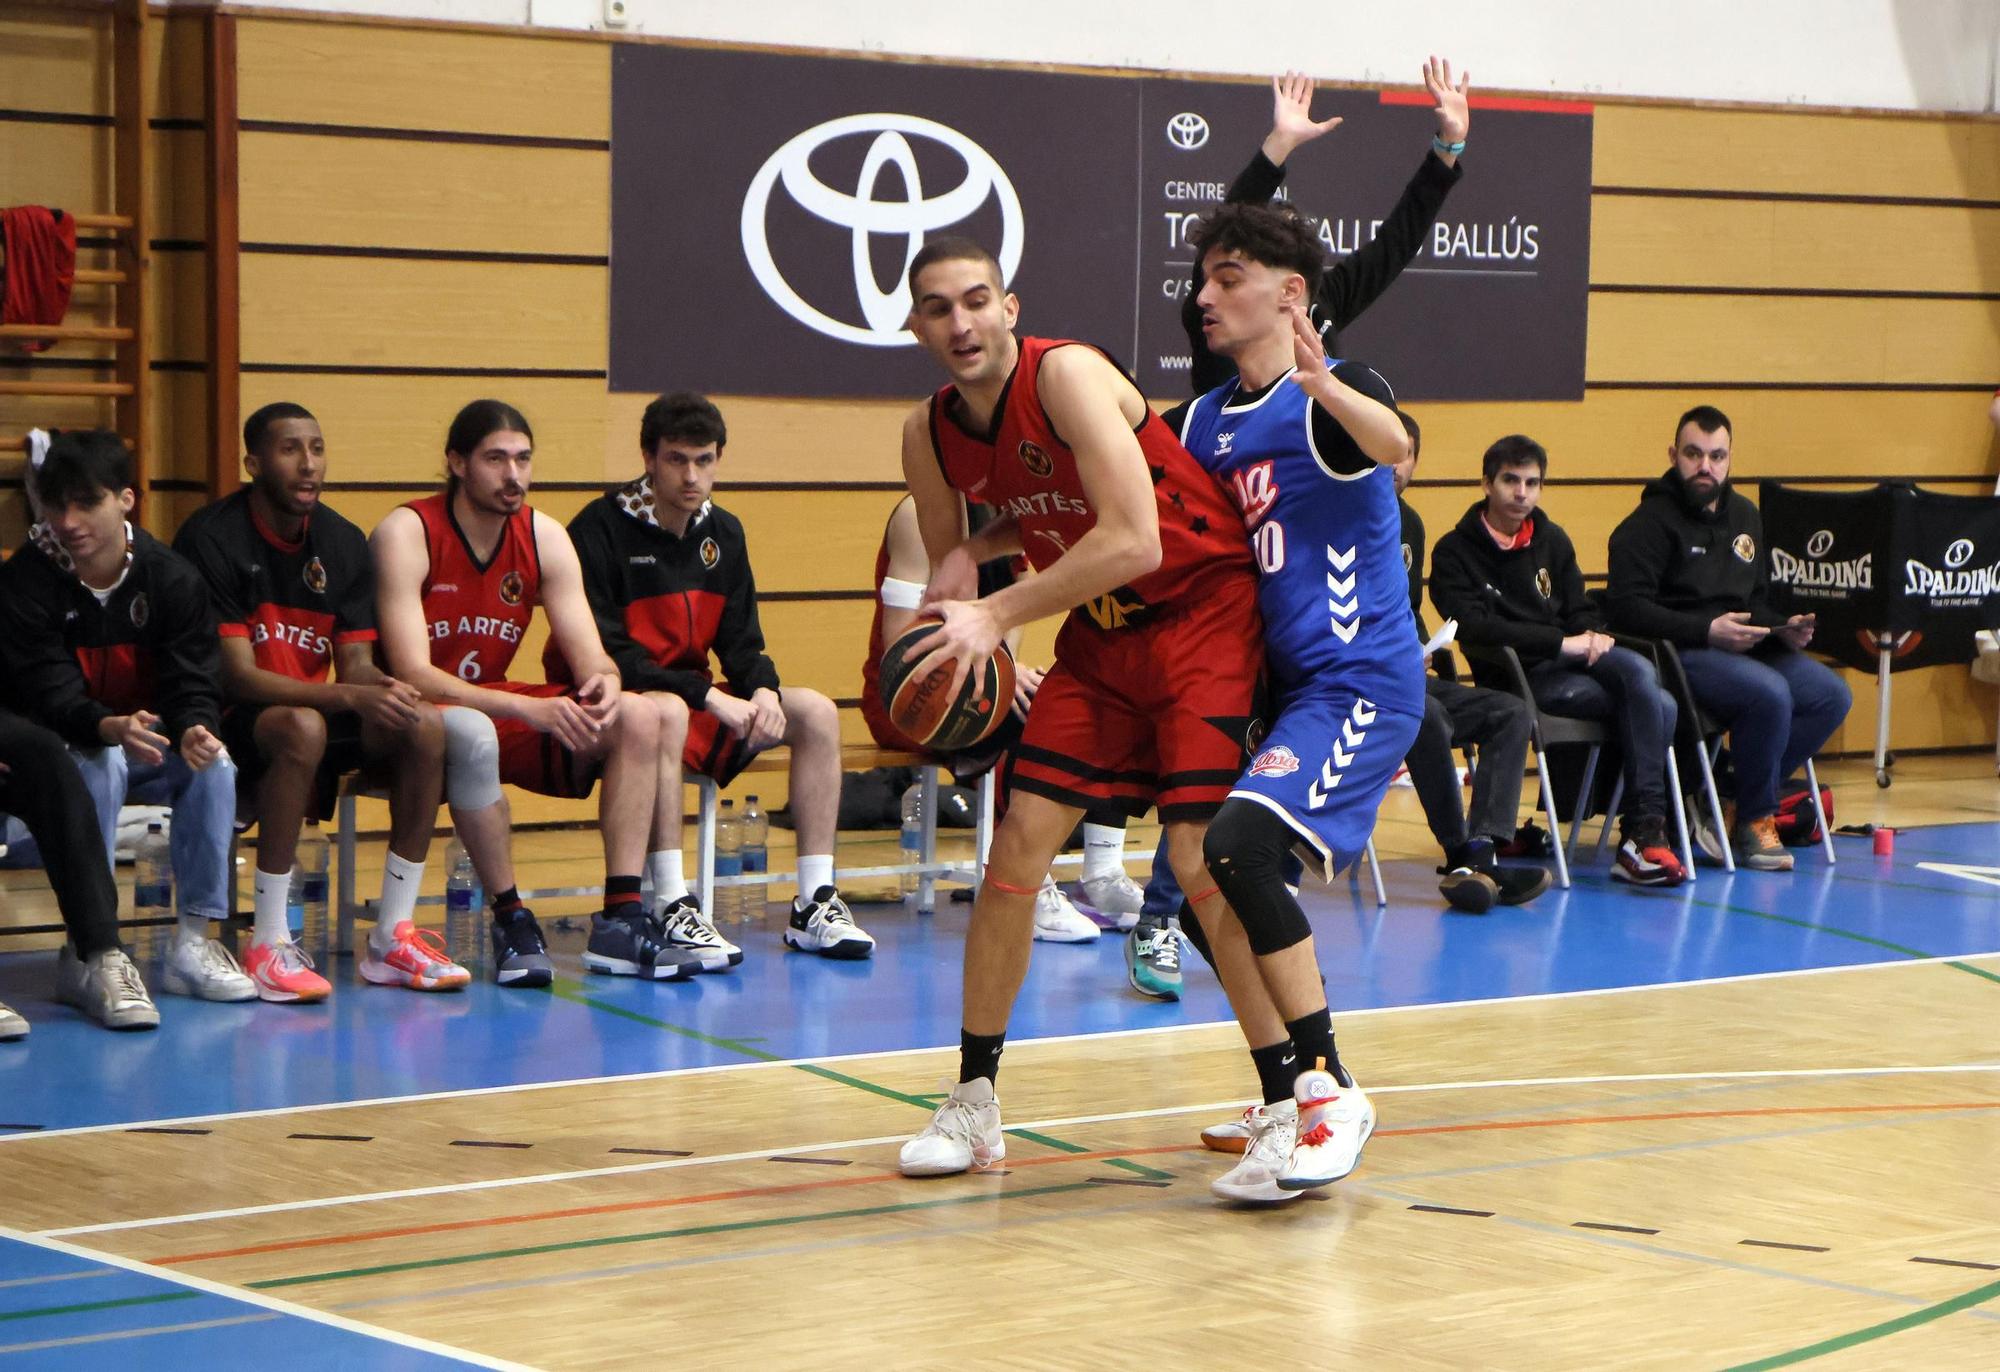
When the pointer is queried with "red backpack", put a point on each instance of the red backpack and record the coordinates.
(1799, 816)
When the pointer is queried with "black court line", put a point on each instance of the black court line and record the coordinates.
(163, 1129)
(1790, 1247)
(1614, 1228)
(1125, 1181)
(658, 1152)
(816, 1162)
(1451, 1210)
(1957, 1262)
(487, 1143)
(334, 1138)
(23, 1128)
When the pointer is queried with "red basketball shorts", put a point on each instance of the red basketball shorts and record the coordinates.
(538, 762)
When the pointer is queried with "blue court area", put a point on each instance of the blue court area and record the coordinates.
(61, 1311)
(369, 1042)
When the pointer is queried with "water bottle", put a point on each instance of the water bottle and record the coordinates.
(309, 893)
(756, 857)
(729, 905)
(464, 925)
(910, 845)
(152, 896)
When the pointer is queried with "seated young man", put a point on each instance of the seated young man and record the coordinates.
(1690, 566)
(667, 574)
(900, 568)
(458, 576)
(294, 590)
(1454, 715)
(110, 643)
(1508, 575)
(39, 787)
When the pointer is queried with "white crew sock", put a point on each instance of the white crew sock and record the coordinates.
(814, 872)
(270, 924)
(400, 880)
(193, 927)
(1103, 851)
(664, 870)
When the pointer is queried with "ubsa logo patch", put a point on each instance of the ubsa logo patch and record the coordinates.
(1275, 762)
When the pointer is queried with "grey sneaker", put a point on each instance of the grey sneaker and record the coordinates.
(1116, 899)
(1701, 825)
(107, 988)
(12, 1026)
(1153, 959)
(1758, 847)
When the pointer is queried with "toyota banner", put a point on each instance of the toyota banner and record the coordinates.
(765, 208)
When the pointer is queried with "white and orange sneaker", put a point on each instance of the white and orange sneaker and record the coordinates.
(416, 960)
(1334, 1124)
(284, 973)
(1233, 1136)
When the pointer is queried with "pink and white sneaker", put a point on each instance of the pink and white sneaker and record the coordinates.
(416, 960)
(283, 973)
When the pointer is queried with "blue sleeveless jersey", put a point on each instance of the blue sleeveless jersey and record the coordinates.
(1332, 586)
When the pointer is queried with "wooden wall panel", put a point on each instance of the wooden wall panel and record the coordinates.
(56, 63)
(1792, 245)
(315, 311)
(466, 197)
(777, 439)
(450, 80)
(1801, 154)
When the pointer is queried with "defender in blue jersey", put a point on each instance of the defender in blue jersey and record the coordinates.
(1305, 446)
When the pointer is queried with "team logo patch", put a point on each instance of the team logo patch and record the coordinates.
(1745, 547)
(711, 552)
(1545, 585)
(510, 588)
(1408, 557)
(1036, 459)
(1275, 762)
(142, 610)
(315, 575)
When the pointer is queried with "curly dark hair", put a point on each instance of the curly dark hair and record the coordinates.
(1273, 235)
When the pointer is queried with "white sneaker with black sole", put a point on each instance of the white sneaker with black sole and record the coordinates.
(1057, 920)
(688, 928)
(963, 1133)
(824, 925)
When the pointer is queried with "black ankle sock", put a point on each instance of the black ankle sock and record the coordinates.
(979, 1055)
(1313, 1036)
(1277, 1070)
(507, 902)
(620, 892)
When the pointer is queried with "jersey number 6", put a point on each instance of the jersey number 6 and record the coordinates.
(468, 666)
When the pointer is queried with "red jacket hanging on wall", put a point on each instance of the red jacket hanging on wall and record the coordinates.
(40, 267)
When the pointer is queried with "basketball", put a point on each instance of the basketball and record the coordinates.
(920, 708)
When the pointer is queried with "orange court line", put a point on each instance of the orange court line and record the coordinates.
(743, 1193)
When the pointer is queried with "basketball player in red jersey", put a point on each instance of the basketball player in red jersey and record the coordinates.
(1155, 668)
(458, 576)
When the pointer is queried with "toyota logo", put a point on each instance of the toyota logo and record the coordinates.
(1959, 553)
(883, 314)
(1187, 131)
(1820, 543)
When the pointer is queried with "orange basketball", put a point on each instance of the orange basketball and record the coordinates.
(922, 711)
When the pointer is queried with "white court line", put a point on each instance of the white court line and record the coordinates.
(468, 1092)
(838, 1145)
(264, 1302)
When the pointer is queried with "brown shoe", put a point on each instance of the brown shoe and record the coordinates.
(1758, 847)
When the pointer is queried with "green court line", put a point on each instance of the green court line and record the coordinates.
(571, 991)
(1979, 1295)
(1838, 932)
(88, 1306)
(651, 1236)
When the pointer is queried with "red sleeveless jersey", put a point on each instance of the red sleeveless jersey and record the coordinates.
(1023, 468)
(475, 615)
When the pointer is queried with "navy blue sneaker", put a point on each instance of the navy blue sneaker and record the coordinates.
(520, 956)
(634, 945)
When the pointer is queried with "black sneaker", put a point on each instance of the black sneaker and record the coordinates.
(825, 925)
(520, 955)
(1468, 889)
(633, 945)
(1519, 885)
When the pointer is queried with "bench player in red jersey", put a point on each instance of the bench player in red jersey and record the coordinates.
(1156, 666)
(458, 576)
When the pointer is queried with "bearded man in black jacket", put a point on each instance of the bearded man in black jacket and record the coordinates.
(1690, 566)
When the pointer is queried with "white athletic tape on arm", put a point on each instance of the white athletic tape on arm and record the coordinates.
(902, 595)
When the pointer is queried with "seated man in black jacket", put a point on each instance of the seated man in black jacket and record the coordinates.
(1690, 566)
(1455, 715)
(1508, 575)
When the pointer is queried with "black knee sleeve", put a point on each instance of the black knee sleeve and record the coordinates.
(1245, 850)
(1196, 935)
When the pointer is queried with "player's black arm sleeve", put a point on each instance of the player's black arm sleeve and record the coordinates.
(1458, 589)
(1357, 281)
(1640, 551)
(43, 679)
(637, 671)
(190, 654)
(1336, 449)
(739, 639)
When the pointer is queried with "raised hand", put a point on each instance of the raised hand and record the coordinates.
(1291, 116)
(1308, 353)
(1454, 114)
